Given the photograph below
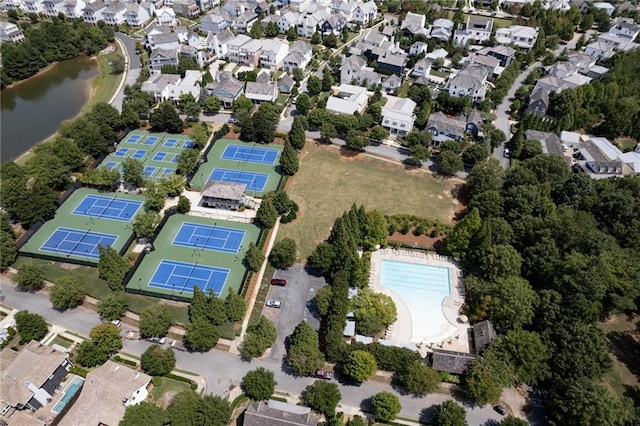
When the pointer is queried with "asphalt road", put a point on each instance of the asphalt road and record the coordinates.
(133, 67)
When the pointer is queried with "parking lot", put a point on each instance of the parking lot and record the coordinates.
(296, 303)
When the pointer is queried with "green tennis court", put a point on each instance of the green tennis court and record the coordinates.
(172, 270)
(70, 237)
(219, 159)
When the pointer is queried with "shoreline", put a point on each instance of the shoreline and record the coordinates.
(38, 74)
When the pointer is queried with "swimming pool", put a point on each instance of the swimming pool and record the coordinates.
(422, 289)
(69, 393)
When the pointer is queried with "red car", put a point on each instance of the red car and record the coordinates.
(324, 374)
(279, 282)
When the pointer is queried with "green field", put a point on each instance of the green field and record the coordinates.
(214, 160)
(328, 183)
(65, 218)
(161, 167)
(164, 249)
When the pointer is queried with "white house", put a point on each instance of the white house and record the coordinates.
(365, 13)
(469, 81)
(114, 13)
(523, 37)
(162, 57)
(413, 23)
(599, 49)
(288, 20)
(274, 52)
(300, 55)
(165, 16)
(261, 92)
(477, 29)
(218, 42)
(158, 85)
(166, 41)
(72, 9)
(625, 27)
(348, 100)
(32, 6)
(234, 45)
(397, 115)
(417, 48)
(53, 7)
(422, 68)
(138, 14)
(607, 7)
(93, 12)
(442, 29)
(215, 21)
(10, 32)
(10, 5)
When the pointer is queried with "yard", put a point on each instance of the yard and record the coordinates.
(168, 389)
(623, 333)
(329, 183)
(497, 22)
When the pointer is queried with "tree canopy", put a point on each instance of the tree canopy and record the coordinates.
(322, 396)
(258, 384)
(157, 361)
(155, 321)
(66, 293)
(30, 326)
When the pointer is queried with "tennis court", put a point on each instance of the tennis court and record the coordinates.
(77, 242)
(107, 207)
(250, 154)
(149, 171)
(151, 140)
(254, 181)
(183, 277)
(171, 142)
(133, 138)
(112, 164)
(208, 237)
(121, 152)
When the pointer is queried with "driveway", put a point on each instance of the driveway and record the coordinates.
(132, 70)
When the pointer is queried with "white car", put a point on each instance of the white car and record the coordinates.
(273, 304)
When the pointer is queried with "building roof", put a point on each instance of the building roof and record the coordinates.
(447, 124)
(349, 99)
(539, 94)
(33, 365)
(157, 82)
(224, 190)
(301, 46)
(483, 335)
(101, 399)
(391, 82)
(276, 413)
(257, 88)
(451, 362)
(550, 143)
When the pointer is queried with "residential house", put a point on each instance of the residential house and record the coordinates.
(445, 127)
(563, 69)
(234, 47)
(417, 48)
(10, 32)
(625, 27)
(617, 42)
(570, 139)
(249, 53)
(582, 61)
(518, 35)
(243, 23)
(186, 8)
(483, 335)
(114, 13)
(93, 12)
(550, 143)
(550, 83)
(7, 5)
(450, 361)
(354, 69)
(393, 62)
(422, 68)
(158, 85)
(183, 33)
(31, 379)
(600, 158)
(398, 116)
(196, 41)
(437, 54)
(442, 29)
(288, 20)
(599, 49)
(286, 84)
(491, 64)
(278, 413)
(504, 54)
(166, 41)
(162, 57)
(333, 25)
(539, 102)
(348, 99)
(607, 7)
(296, 5)
(259, 92)
(53, 7)
(226, 88)
(215, 21)
(307, 25)
(300, 55)
(72, 9)
(413, 24)
(236, 7)
(190, 84)
(469, 81)
(365, 13)
(274, 52)
(476, 29)
(138, 14)
(108, 390)
(391, 84)
(32, 6)
(217, 43)
(166, 16)
(474, 122)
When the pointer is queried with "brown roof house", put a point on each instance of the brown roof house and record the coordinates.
(276, 413)
(107, 392)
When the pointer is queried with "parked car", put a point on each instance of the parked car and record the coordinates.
(500, 409)
(279, 282)
(132, 335)
(273, 304)
(324, 374)
(233, 120)
(156, 339)
(506, 153)
(116, 322)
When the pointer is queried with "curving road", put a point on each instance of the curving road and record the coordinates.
(132, 67)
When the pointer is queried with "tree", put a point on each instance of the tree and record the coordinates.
(154, 197)
(8, 250)
(487, 376)
(513, 421)
(449, 163)
(376, 229)
(183, 408)
(292, 34)
(262, 122)
(172, 185)
(327, 79)
(322, 396)
(157, 361)
(30, 326)
(66, 293)
(184, 205)
(258, 384)
(284, 253)
(267, 215)
(373, 311)
(213, 411)
(475, 154)
(187, 161)
(165, 118)
(314, 85)
(254, 258)
(192, 110)
(155, 321)
(324, 297)
(30, 278)
(144, 224)
(235, 306)
(356, 140)
(512, 305)
(419, 378)
(303, 103)
(526, 352)
(212, 104)
(129, 116)
(360, 365)
(49, 169)
(304, 356)
(112, 267)
(258, 338)
(316, 38)
(530, 148)
(106, 337)
(297, 135)
(385, 405)
(282, 202)
(327, 132)
(378, 133)
(485, 176)
(113, 306)
(201, 335)
(144, 413)
(256, 30)
(289, 160)
(132, 172)
(89, 355)
(450, 413)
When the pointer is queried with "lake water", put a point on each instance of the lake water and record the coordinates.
(33, 110)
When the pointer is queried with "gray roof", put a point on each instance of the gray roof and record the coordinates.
(353, 63)
(392, 82)
(447, 124)
(539, 95)
(551, 144)
(474, 117)
(300, 46)
(259, 88)
(224, 190)
(483, 335)
(451, 362)
(391, 59)
(165, 38)
(275, 413)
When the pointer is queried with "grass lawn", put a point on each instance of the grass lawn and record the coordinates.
(62, 341)
(497, 22)
(441, 74)
(95, 287)
(404, 90)
(626, 144)
(168, 385)
(624, 342)
(106, 84)
(328, 183)
(261, 298)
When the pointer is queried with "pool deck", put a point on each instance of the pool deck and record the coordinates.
(454, 336)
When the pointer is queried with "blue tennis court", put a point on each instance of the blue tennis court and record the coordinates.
(254, 181)
(121, 152)
(250, 154)
(111, 165)
(183, 277)
(171, 142)
(134, 138)
(149, 170)
(107, 208)
(188, 144)
(227, 240)
(174, 159)
(77, 242)
(151, 140)
(139, 154)
(167, 172)
(160, 156)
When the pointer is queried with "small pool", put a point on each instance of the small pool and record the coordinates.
(69, 393)
(422, 289)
